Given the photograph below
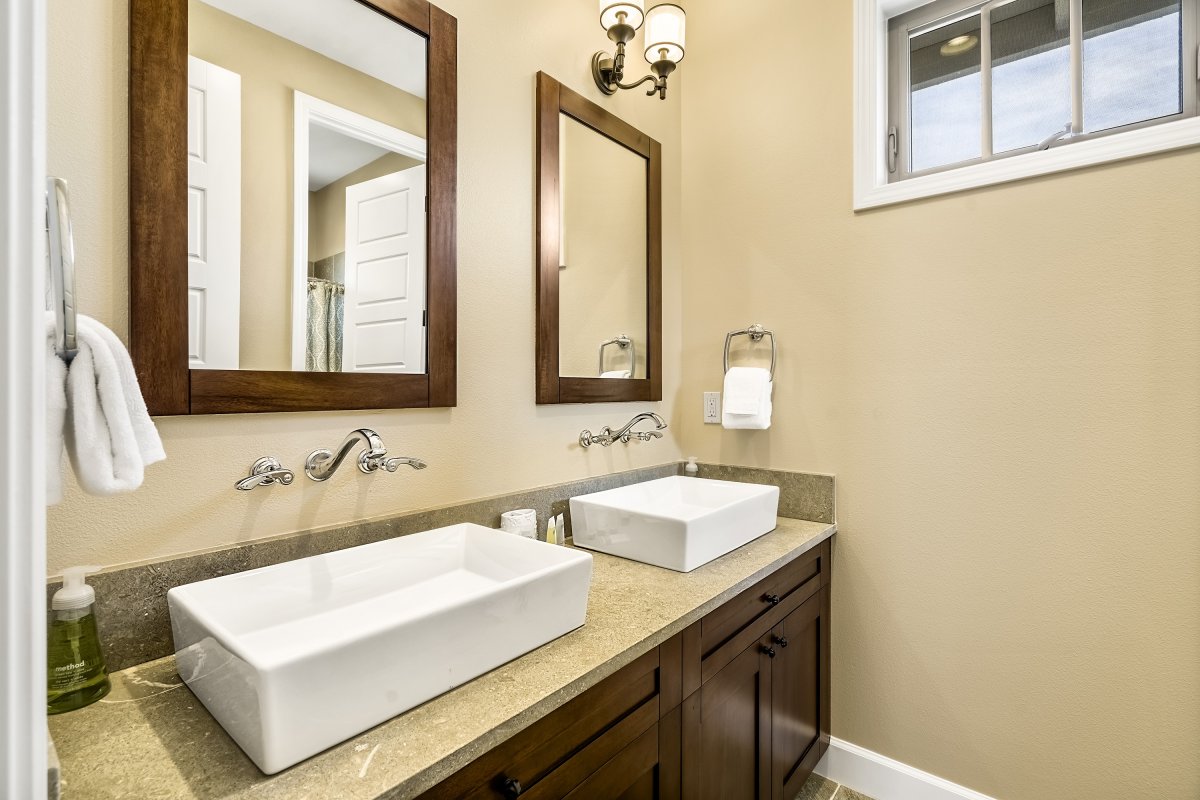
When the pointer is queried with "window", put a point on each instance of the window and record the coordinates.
(967, 93)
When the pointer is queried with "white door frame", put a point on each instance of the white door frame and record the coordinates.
(306, 109)
(22, 399)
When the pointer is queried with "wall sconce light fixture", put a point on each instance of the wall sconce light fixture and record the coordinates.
(665, 33)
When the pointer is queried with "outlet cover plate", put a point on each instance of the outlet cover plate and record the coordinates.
(712, 408)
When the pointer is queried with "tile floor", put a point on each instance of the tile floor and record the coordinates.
(818, 788)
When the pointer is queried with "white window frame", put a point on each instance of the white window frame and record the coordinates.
(871, 186)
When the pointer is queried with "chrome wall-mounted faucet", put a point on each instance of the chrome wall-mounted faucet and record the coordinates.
(321, 464)
(607, 436)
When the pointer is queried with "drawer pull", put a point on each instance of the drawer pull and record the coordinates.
(770, 651)
(781, 641)
(773, 599)
(512, 788)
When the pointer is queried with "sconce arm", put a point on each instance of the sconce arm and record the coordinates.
(636, 84)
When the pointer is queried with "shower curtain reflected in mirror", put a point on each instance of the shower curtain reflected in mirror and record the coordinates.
(326, 311)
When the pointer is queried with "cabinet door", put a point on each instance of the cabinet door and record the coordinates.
(727, 732)
(799, 696)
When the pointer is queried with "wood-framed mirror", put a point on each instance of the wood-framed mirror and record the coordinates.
(292, 198)
(599, 253)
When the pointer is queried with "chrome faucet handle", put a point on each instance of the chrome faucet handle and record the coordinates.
(368, 463)
(393, 464)
(265, 472)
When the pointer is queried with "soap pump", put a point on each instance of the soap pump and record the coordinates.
(691, 468)
(75, 671)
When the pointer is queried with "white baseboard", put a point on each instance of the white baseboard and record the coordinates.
(884, 778)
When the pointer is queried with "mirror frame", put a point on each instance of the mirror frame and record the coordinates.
(553, 99)
(158, 236)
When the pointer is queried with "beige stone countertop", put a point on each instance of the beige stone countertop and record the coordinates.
(151, 738)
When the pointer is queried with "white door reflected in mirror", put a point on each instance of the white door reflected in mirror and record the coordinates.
(307, 188)
(214, 143)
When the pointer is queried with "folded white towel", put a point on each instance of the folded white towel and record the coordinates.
(110, 436)
(616, 373)
(747, 399)
(56, 414)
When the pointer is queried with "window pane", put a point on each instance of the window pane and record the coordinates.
(945, 100)
(1031, 72)
(1131, 61)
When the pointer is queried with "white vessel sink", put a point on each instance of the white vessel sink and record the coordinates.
(679, 523)
(296, 657)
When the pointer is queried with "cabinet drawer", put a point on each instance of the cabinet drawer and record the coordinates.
(729, 629)
(632, 774)
(552, 756)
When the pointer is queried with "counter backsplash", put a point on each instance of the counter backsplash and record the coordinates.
(135, 626)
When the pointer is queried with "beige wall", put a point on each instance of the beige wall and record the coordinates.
(1006, 383)
(496, 440)
(272, 68)
(327, 207)
(602, 290)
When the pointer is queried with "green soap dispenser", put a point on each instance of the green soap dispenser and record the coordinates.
(75, 673)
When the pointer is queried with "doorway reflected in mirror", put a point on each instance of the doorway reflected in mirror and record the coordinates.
(307, 188)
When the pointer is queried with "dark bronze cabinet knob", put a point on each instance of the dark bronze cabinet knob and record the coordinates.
(781, 641)
(773, 599)
(770, 651)
(512, 788)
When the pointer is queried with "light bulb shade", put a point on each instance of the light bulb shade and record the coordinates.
(610, 13)
(666, 30)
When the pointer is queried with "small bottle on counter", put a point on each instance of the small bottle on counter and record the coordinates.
(691, 469)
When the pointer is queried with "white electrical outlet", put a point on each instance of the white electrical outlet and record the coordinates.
(712, 408)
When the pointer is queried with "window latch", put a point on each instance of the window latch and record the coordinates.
(893, 148)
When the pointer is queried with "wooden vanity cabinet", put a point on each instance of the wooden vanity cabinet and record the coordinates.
(735, 706)
(759, 721)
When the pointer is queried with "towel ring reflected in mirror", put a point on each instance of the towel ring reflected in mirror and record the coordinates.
(624, 342)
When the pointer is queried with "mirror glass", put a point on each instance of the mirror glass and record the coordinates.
(602, 283)
(306, 188)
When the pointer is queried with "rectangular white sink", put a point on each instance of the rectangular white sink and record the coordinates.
(299, 656)
(678, 522)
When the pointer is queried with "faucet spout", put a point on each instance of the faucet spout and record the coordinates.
(659, 424)
(321, 464)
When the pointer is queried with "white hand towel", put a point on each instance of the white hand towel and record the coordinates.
(747, 399)
(110, 437)
(56, 414)
(616, 373)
